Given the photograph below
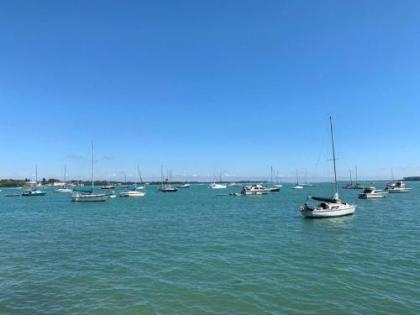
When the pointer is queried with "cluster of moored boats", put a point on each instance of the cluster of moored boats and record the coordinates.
(324, 207)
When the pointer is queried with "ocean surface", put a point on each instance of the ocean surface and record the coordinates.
(193, 252)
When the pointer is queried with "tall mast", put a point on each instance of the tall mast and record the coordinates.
(351, 180)
(91, 179)
(356, 174)
(297, 178)
(65, 173)
(271, 174)
(36, 174)
(333, 152)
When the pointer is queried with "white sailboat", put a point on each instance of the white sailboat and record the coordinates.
(31, 189)
(218, 185)
(165, 186)
(306, 183)
(141, 186)
(272, 188)
(79, 196)
(64, 189)
(297, 186)
(328, 207)
(134, 192)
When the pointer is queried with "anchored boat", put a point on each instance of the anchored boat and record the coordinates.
(328, 207)
(372, 193)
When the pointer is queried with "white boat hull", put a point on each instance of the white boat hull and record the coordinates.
(132, 194)
(399, 190)
(297, 187)
(88, 197)
(218, 186)
(64, 190)
(329, 213)
(372, 196)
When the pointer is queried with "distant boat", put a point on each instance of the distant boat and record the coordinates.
(254, 190)
(90, 196)
(297, 186)
(165, 185)
(328, 207)
(132, 193)
(397, 187)
(30, 190)
(219, 185)
(306, 183)
(64, 189)
(108, 186)
(185, 184)
(273, 188)
(141, 186)
(372, 193)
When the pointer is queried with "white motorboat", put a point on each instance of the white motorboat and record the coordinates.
(297, 186)
(328, 207)
(33, 193)
(372, 193)
(185, 185)
(89, 196)
(397, 187)
(217, 186)
(132, 193)
(254, 190)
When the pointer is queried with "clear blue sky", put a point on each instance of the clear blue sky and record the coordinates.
(209, 86)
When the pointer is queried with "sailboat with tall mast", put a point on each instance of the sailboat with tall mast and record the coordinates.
(89, 196)
(64, 189)
(165, 185)
(328, 207)
(350, 184)
(272, 188)
(133, 192)
(297, 186)
(31, 189)
(218, 185)
(141, 185)
(306, 183)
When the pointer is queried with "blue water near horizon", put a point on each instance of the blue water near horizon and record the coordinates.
(193, 252)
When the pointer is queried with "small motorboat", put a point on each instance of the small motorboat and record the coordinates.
(132, 193)
(397, 187)
(254, 190)
(372, 193)
(297, 186)
(33, 193)
(185, 185)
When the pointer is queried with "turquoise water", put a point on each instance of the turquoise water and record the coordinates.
(193, 252)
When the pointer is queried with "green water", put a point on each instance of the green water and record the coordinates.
(193, 252)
